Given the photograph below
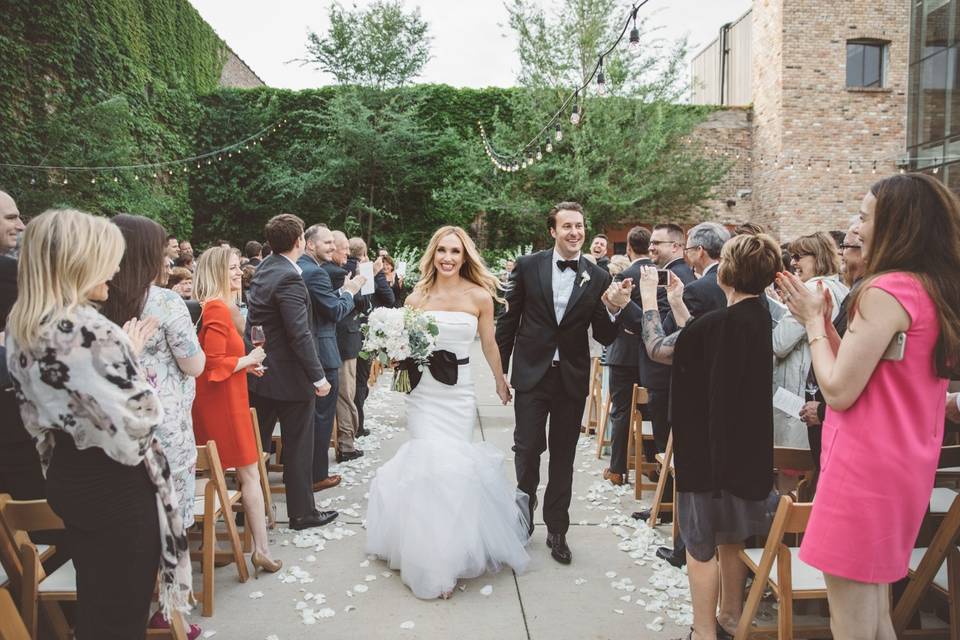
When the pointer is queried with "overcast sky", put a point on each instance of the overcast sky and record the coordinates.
(469, 47)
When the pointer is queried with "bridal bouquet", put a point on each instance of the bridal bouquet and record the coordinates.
(400, 334)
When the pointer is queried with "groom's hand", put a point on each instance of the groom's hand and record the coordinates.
(617, 296)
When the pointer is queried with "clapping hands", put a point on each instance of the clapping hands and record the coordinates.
(617, 294)
(140, 331)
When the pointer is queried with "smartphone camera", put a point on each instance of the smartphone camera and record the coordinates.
(663, 277)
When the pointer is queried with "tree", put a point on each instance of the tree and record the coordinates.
(382, 46)
(626, 160)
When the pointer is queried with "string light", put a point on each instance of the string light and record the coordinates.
(635, 33)
(559, 134)
(549, 146)
(601, 80)
(575, 112)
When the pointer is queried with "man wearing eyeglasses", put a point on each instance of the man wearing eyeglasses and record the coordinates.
(702, 253)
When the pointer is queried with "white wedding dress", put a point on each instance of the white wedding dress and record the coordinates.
(442, 508)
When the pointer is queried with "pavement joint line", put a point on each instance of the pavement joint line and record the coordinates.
(523, 611)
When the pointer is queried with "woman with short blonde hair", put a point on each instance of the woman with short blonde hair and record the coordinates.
(93, 413)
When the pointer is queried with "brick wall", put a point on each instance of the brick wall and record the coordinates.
(803, 110)
(728, 134)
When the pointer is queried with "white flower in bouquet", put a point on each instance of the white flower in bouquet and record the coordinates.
(400, 334)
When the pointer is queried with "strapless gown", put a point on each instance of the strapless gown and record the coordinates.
(442, 508)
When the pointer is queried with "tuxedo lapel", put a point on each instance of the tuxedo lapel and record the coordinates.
(545, 273)
(578, 286)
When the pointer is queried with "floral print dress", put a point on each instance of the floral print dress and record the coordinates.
(176, 338)
(80, 377)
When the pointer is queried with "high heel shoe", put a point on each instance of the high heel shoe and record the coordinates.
(261, 562)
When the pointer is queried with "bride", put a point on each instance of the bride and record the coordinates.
(442, 509)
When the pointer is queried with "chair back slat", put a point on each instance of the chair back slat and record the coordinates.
(31, 515)
(797, 517)
(11, 624)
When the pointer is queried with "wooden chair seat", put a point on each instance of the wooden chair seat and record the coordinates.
(200, 504)
(807, 582)
(940, 500)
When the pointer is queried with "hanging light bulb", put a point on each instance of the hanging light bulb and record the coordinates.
(635, 33)
(116, 179)
(601, 79)
(549, 145)
(539, 154)
(136, 176)
(93, 181)
(575, 112)
(64, 181)
(559, 134)
(33, 181)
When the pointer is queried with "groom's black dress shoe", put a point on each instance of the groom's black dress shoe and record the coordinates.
(666, 553)
(644, 514)
(315, 519)
(558, 548)
(345, 456)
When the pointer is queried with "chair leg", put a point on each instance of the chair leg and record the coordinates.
(676, 514)
(658, 496)
(785, 615)
(53, 612)
(207, 565)
(953, 599)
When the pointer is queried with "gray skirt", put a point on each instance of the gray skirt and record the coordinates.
(706, 521)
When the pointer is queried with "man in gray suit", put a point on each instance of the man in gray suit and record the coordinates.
(330, 306)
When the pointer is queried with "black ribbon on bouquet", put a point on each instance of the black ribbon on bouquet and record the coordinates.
(443, 365)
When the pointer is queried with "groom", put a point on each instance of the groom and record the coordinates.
(552, 297)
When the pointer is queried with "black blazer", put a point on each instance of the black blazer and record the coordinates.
(623, 351)
(278, 300)
(654, 375)
(704, 295)
(529, 329)
(721, 409)
(349, 333)
(329, 308)
(8, 287)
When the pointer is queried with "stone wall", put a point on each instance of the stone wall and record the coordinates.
(237, 75)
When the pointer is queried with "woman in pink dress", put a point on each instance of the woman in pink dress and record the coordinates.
(884, 425)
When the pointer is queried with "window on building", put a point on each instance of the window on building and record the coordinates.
(865, 63)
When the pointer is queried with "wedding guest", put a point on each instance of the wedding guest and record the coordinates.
(382, 296)
(221, 411)
(186, 248)
(623, 362)
(86, 400)
(180, 281)
(885, 406)
(702, 253)
(349, 342)
(172, 251)
(253, 250)
(817, 264)
(667, 243)
(185, 261)
(851, 269)
(20, 473)
(330, 306)
(279, 302)
(721, 417)
(617, 264)
(395, 280)
(598, 249)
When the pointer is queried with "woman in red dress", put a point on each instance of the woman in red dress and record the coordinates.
(221, 411)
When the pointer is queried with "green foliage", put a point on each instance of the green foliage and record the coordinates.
(381, 46)
(102, 82)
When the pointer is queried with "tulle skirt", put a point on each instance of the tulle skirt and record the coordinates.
(442, 508)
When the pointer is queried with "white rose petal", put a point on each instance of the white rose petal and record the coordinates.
(256, 595)
(487, 590)
(407, 625)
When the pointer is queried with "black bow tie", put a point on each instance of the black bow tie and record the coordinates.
(568, 264)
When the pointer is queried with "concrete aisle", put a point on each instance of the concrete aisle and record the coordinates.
(361, 598)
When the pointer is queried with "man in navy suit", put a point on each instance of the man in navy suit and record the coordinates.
(330, 306)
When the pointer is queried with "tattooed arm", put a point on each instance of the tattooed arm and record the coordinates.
(659, 346)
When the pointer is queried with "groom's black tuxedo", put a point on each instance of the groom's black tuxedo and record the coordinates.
(551, 371)
(531, 331)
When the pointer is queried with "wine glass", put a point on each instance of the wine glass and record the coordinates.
(258, 338)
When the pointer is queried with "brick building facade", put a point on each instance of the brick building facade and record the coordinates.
(817, 138)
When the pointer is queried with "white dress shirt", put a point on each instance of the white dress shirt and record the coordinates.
(562, 289)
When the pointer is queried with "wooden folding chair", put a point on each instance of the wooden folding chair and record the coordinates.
(665, 464)
(591, 414)
(22, 561)
(217, 502)
(777, 566)
(797, 460)
(11, 624)
(262, 458)
(938, 566)
(605, 429)
(638, 431)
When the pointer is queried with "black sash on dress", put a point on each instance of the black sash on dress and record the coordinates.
(443, 365)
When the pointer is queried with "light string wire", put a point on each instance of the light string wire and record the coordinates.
(535, 141)
(236, 146)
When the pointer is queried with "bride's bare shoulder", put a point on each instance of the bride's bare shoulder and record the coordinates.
(414, 299)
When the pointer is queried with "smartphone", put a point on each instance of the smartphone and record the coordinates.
(663, 277)
(618, 278)
(897, 347)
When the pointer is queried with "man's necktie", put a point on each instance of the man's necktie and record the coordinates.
(567, 264)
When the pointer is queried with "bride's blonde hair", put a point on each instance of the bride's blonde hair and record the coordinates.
(473, 268)
(65, 254)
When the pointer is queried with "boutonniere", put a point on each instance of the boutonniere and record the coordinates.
(584, 278)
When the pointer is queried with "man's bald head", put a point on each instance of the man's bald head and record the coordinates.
(10, 223)
(342, 250)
